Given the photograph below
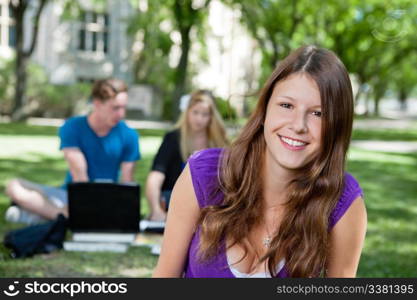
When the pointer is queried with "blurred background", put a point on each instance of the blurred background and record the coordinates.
(52, 50)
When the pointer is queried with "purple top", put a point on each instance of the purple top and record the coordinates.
(204, 173)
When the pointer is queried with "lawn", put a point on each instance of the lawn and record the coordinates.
(389, 181)
(31, 152)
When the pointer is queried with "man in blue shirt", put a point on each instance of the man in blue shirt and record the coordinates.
(97, 147)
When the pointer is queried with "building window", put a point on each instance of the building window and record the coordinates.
(93, 34)
(7, 25)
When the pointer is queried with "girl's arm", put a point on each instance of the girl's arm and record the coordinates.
(346, 241)
(183, 214)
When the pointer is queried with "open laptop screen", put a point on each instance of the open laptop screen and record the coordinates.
(104, 207)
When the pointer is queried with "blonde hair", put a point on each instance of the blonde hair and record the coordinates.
(216, 133)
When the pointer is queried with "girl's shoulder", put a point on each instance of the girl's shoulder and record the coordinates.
(204, 168)
(351, 191)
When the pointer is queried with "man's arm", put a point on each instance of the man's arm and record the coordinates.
(77, 164)
(128, 170)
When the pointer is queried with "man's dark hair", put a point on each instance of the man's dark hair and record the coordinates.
(106, 89)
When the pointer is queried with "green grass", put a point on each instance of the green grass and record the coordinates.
(24, 129)
(389, 181)
(31, 152)
(385, 135)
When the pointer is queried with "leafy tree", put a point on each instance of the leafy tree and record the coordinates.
(404, 79)
(151, 27)
(187, 16)
(370, 37)
(370, 48)
(275, 25)
(152, 61)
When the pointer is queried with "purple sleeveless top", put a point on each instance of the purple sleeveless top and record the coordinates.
(204, 173)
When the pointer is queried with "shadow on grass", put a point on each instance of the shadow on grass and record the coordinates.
(42, 169)
(136, 262)
(391, 199)
(387, 262)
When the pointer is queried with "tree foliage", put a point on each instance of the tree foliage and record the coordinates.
(371, 37)
(375, 40)
(160, 27)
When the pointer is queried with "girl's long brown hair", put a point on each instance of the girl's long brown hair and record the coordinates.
(302, 237)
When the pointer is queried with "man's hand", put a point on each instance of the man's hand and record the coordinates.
(77, 164)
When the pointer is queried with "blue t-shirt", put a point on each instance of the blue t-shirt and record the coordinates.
(103, 154)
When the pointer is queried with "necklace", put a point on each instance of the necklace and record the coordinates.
(268, 239)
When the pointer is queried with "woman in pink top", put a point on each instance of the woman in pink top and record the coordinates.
(278, 201)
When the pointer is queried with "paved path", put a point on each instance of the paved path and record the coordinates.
(405, 122)
(386, 146)
(131, 123)
(384, 124)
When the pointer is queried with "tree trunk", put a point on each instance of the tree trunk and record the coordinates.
(379, 93)
(402, 97)
(20, 65)
(376, 105)
(181, 72)
(367, 95)
(359, 93)
(22, 56)
(18, 113)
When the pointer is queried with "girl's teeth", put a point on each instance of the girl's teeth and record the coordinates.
(292, 142)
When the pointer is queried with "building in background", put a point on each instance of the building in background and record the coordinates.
(96, 45)
(7, 30)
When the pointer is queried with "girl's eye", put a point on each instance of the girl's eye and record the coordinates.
(317, 113)
(286, 105)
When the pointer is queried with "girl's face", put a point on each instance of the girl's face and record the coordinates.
(292, 127)
(199, 117)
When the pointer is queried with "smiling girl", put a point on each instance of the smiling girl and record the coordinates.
(278, 201)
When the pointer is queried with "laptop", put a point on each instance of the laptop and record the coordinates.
(103, 215)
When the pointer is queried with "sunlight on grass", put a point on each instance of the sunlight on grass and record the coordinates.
(389, 181)
(26, 147)
(364, 155)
